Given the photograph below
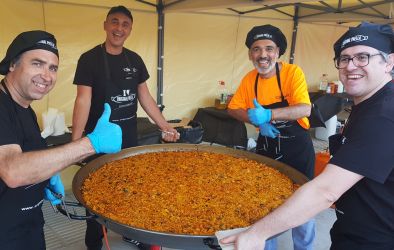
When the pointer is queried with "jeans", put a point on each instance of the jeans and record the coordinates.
(303, 237)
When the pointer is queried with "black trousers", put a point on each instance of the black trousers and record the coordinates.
(27, 237)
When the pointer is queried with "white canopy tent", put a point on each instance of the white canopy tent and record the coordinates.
(189, 45)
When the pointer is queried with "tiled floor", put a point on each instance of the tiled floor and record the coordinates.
(64, 234)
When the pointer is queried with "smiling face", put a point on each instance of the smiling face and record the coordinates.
(264, 54)
(32, 76)
(118, 27)
(363, 82)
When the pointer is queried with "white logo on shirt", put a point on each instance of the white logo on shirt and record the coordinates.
(31, 207)
(339, 211)
(126, 97)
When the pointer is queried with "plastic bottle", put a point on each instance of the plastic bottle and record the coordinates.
(323, 82)
(223, 93)
(328, 90)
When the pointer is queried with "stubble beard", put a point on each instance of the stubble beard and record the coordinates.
(264, 70)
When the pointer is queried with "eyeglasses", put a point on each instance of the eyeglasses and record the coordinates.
(360, 60)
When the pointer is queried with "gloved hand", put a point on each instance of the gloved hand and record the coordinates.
(259, 115)
(106, 136)
(55, 184)
(269, 130)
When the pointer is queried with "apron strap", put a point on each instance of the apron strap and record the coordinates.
(106, 65)
(256, 82)
(106, 72)
(108, 79)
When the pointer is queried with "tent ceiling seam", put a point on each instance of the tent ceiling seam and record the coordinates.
(324, 9)
(173, 3)
(328, 6)
(282, 12)
(372, 8)
(147, 3)
(91, 5)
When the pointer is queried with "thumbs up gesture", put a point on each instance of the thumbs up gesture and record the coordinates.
(259, 115)
(106, 136)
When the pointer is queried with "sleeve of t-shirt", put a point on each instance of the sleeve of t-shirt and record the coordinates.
(370, 152)
(242, 95)
(84, 74)
(299, 88)
(144, 75)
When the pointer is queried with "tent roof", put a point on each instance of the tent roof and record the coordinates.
(338, 11)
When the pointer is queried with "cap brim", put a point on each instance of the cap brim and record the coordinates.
(4, 66)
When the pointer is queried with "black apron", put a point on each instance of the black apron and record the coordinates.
(21, 207)
(122, 97)
(293, 146)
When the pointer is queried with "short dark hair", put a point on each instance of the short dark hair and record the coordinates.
(120, 9)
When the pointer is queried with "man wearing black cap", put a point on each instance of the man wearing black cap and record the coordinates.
(111, 73)
(274, 97)
(360, 175)
(30, 68)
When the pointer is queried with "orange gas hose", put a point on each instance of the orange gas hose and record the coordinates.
(105, 237)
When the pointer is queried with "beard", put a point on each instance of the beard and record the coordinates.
(264, 69)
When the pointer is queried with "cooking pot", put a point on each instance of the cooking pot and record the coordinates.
(171, 240)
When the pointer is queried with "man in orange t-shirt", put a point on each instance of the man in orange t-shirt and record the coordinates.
(274, 97)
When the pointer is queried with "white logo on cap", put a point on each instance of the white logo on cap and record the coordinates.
(357, 39)
(49, 43)
(269, 36)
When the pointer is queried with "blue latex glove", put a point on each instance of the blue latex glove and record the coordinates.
(259, 115)
(55, 184)
(269, 130)
(106, 136)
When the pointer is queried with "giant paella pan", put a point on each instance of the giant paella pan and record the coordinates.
(168, 239)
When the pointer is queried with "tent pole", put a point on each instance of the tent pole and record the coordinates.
(160, 55)
(294, 35)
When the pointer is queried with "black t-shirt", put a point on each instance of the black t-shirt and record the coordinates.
(20, 208)
(118, 87)
(366, 211)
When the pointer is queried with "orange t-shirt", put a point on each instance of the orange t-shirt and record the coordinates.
(294, 89)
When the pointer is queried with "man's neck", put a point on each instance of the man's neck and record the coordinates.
(267, 75)
(112, 49)
(15, 95)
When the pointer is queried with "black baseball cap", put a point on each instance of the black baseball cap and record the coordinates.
(29, 40)
(267, 32)
(120, 9)
(378, 36)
